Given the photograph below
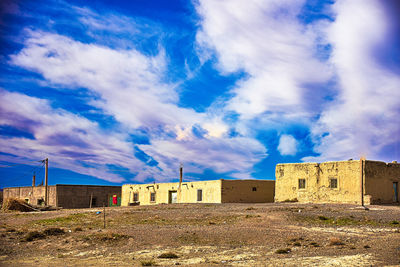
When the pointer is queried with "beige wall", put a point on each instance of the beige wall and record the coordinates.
(32, 194)
(188, 194)
(241, 191)
(379, 181)
(317, 178)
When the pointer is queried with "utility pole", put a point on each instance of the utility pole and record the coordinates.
(34, 180)
(46, 177)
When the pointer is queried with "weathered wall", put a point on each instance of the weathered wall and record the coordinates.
(317, 182)
(241, 191)
(32, 194)
(379, 181)
(188, 193)
(78, 196)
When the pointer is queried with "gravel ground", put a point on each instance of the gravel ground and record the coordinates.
(275, 234)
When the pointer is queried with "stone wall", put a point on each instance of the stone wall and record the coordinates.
(32, 195)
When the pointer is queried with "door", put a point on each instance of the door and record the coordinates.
(395, 192)
(173, 196)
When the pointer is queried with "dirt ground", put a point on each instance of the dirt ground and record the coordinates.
(284, 234)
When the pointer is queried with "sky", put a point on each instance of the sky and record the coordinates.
(116, 92)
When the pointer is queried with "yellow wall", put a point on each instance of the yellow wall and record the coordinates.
(317, 182)
(379, 181)
(234, 191)
(216, 191)
(188, 193)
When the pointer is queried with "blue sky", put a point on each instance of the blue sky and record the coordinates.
(117, 93)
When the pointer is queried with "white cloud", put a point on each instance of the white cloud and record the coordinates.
(265, 40)
(287, 145)
(365, 116)
(129, 87)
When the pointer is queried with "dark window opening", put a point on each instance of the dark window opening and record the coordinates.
(152, 197)
(135, 197)
(27, 200)
(40, 201)
(94, 201)
(333, 183)
(254, 188)
(302, 183)
(199, 195)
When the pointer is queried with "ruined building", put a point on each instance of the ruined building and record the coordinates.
(67, 196)
(216, 191)
(352, 181)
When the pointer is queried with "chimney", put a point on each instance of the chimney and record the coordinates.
(33, 179)
(180, 174)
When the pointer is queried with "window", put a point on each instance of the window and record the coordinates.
(152, 197)
(135, 197)
(333, 183)
(254, 189)
(302, 183)
(199, 195)
(40, 201)
(27, 200)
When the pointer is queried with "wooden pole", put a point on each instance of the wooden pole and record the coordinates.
(91, 199)
(46, 177)
(104, 216)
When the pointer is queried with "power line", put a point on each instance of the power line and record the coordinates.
(17, 164)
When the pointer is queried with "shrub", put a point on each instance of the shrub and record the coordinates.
(334, 241)
(54, 231)
(283, 251)
(34, 235)
(395, 222)
(148, 263)
(168, 255)
(323, 218)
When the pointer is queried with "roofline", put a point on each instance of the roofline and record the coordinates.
(29, 186)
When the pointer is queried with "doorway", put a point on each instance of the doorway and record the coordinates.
(172, 197)
(395, 192)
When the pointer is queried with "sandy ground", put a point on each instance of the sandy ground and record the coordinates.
(285, 234)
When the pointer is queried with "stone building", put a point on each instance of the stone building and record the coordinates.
(216, 191)
(67, 196)
(352, 181)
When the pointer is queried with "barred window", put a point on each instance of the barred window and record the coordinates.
(135, 197)
(333, 183)
(302, 183)
(152, 197)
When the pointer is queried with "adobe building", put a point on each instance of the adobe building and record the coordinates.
(353, 181)
(67, 196)
(216, 191)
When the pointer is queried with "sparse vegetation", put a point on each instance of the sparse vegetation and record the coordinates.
(283, 251)
(34, 235)
(148, 262)
(291, 200)
(334, 241)
(54, 231)
(168, 255)
(314, 244)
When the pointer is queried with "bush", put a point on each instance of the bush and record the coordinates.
(54, 231)
(148, 263)
(334, 241)
(168, 255)
(34, 235)
(283, 251)
(323, 218)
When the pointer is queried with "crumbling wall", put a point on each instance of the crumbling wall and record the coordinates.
(379, 181)
(247, 191)
(317, 177)
(33, 195)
